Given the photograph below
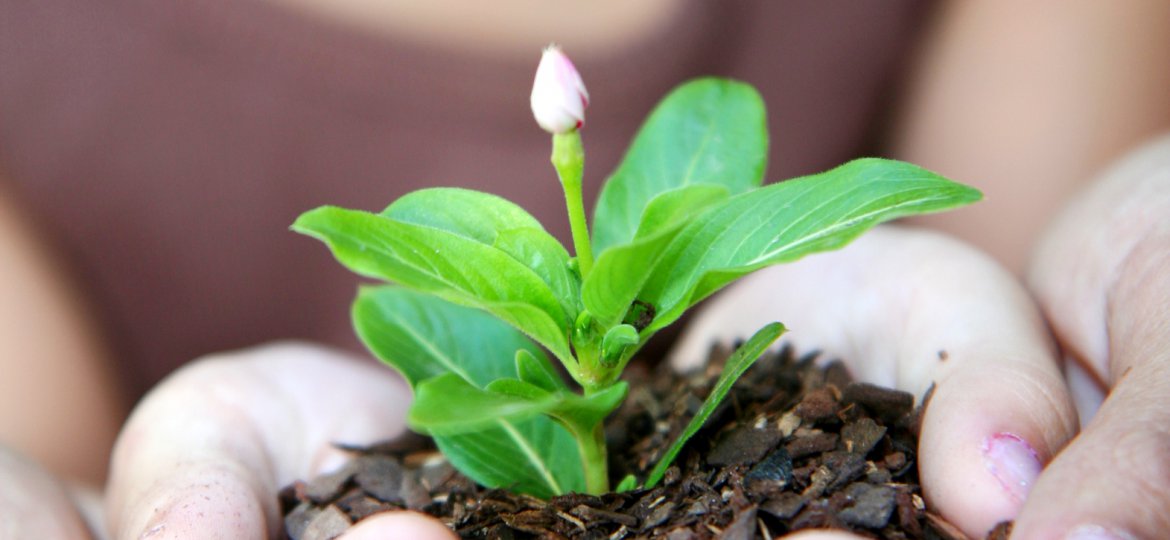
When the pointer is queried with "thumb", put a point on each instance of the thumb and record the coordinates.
(1114, 479)
(1103, 276)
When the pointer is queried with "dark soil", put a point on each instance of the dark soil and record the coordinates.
(794, 446)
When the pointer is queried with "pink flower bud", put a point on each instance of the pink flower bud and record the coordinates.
(558, 94)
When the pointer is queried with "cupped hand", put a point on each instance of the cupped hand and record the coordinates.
(912, 309)
(1102, 275)
(205, 453)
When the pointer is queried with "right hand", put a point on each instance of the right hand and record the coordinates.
(914, 309)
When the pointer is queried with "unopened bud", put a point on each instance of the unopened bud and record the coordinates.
(559, 97)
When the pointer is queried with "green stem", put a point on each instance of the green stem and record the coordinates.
(568, 157)
(593, 458)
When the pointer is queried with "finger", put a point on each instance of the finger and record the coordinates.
(912, 309)
(205, 453)
(821, 535)
(1078, 261)
(399, 525)
(33, 504)
(1108, 259)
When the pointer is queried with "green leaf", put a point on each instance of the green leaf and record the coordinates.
(616, 341)
(539, 251)
(621, 271)
(424, 337)
(670, 209)
(711, 131)
(538, 371)
(536, 456)
(736, 365)
(496, 222)
(457, 268)
(628, 483)
(449, 408)
(449, 405)
(466, 212)
(589, 410)
(519, 389)
(786, 221)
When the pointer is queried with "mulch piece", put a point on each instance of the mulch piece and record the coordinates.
(794, 446)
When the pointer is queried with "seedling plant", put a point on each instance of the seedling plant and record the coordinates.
(482, 295)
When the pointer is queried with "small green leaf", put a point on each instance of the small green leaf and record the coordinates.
(629, 483)
(538, 371)
(589, 410)
(737, 364)
(711, 131)
(519, 389)
(786, 221)
(622, 270)
(616, 341)
(449, 405)
(423, 337)
(455, 267)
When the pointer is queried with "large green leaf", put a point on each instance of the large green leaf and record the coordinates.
(711, 131)
(621, 271)
(496, 222)
(466, 212)
(424, 337)
(736, 365)
(783, 222)
(452, 266)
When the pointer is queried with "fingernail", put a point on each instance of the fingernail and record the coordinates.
(1013, 462)
(1097, 532)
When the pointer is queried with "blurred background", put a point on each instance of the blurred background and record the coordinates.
(165, 147)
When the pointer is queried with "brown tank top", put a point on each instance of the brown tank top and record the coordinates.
(167, 146)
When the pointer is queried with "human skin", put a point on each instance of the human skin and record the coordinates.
(1102, 276)
(48, 337)
(1028, 102)
(1027, 171)
(216, 440)
(914, 309)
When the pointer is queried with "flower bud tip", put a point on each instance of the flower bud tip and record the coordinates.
(558, 97)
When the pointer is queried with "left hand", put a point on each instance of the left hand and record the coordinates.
(215, 442)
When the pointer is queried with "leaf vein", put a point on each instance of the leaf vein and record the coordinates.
(532, 456)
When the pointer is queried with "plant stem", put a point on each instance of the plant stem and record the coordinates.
(593, 457)
(568, 157)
